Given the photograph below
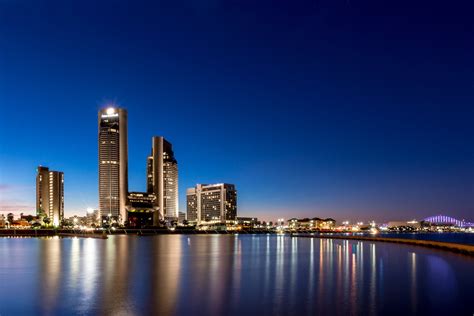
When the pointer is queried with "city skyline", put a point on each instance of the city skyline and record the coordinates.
(113, 107)
(308, 111)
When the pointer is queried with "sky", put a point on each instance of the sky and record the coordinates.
(356, 110)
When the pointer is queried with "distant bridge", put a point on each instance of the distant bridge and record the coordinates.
(447, 220)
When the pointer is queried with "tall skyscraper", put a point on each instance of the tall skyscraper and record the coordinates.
(50, 194)
(113, 164)
(162, 179)
(212, 203)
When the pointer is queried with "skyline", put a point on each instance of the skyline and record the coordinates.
(306, 115)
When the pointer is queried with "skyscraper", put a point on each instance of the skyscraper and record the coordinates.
(113, 164)
(162, 179)
(212, 203)
(50, 194)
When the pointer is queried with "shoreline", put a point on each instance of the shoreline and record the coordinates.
(121, 231)
(447, 246)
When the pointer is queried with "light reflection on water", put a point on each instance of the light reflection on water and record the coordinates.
(223, 274)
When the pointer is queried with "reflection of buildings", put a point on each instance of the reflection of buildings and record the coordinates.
(50, 273)
(50, 194)
(212, 203)
(163, 275)
(115, 262)
(162, 179)
(113, 163)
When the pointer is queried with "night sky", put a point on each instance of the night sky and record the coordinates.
(342, 108)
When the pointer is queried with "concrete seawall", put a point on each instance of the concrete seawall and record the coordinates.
(453, 247)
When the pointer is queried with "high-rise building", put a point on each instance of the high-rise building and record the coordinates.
(113, 164)
(162, 179)
(212, 203)
(50, 194)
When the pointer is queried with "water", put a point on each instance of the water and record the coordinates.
(230, 275)
(460, 238)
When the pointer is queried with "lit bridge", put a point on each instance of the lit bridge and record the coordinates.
(447, 220)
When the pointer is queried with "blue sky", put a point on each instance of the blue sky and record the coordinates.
(349, 109)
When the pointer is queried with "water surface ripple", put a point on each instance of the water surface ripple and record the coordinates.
(230, 275)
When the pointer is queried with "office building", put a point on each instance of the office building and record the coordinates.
(212, 203)
(113, 164)
(162, 180)
(50, 194)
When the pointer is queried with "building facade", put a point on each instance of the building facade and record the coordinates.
(181, 217)
(92, 218)
(113, 164)
(141, 207)
(162, 180)
(211, 203)
(192, 205)
(247, 222)
(314, 223)
(50, 194)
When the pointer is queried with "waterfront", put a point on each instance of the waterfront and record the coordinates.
(229, 274)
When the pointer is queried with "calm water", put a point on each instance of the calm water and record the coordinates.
(460, 238)
(225, 274)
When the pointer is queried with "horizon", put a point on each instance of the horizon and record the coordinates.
(311, 111)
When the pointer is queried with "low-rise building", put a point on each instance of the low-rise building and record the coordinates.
(181, 217)
(141, 207)
(249, 222)
(411, 224)
(314, 223)
(3, 222)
